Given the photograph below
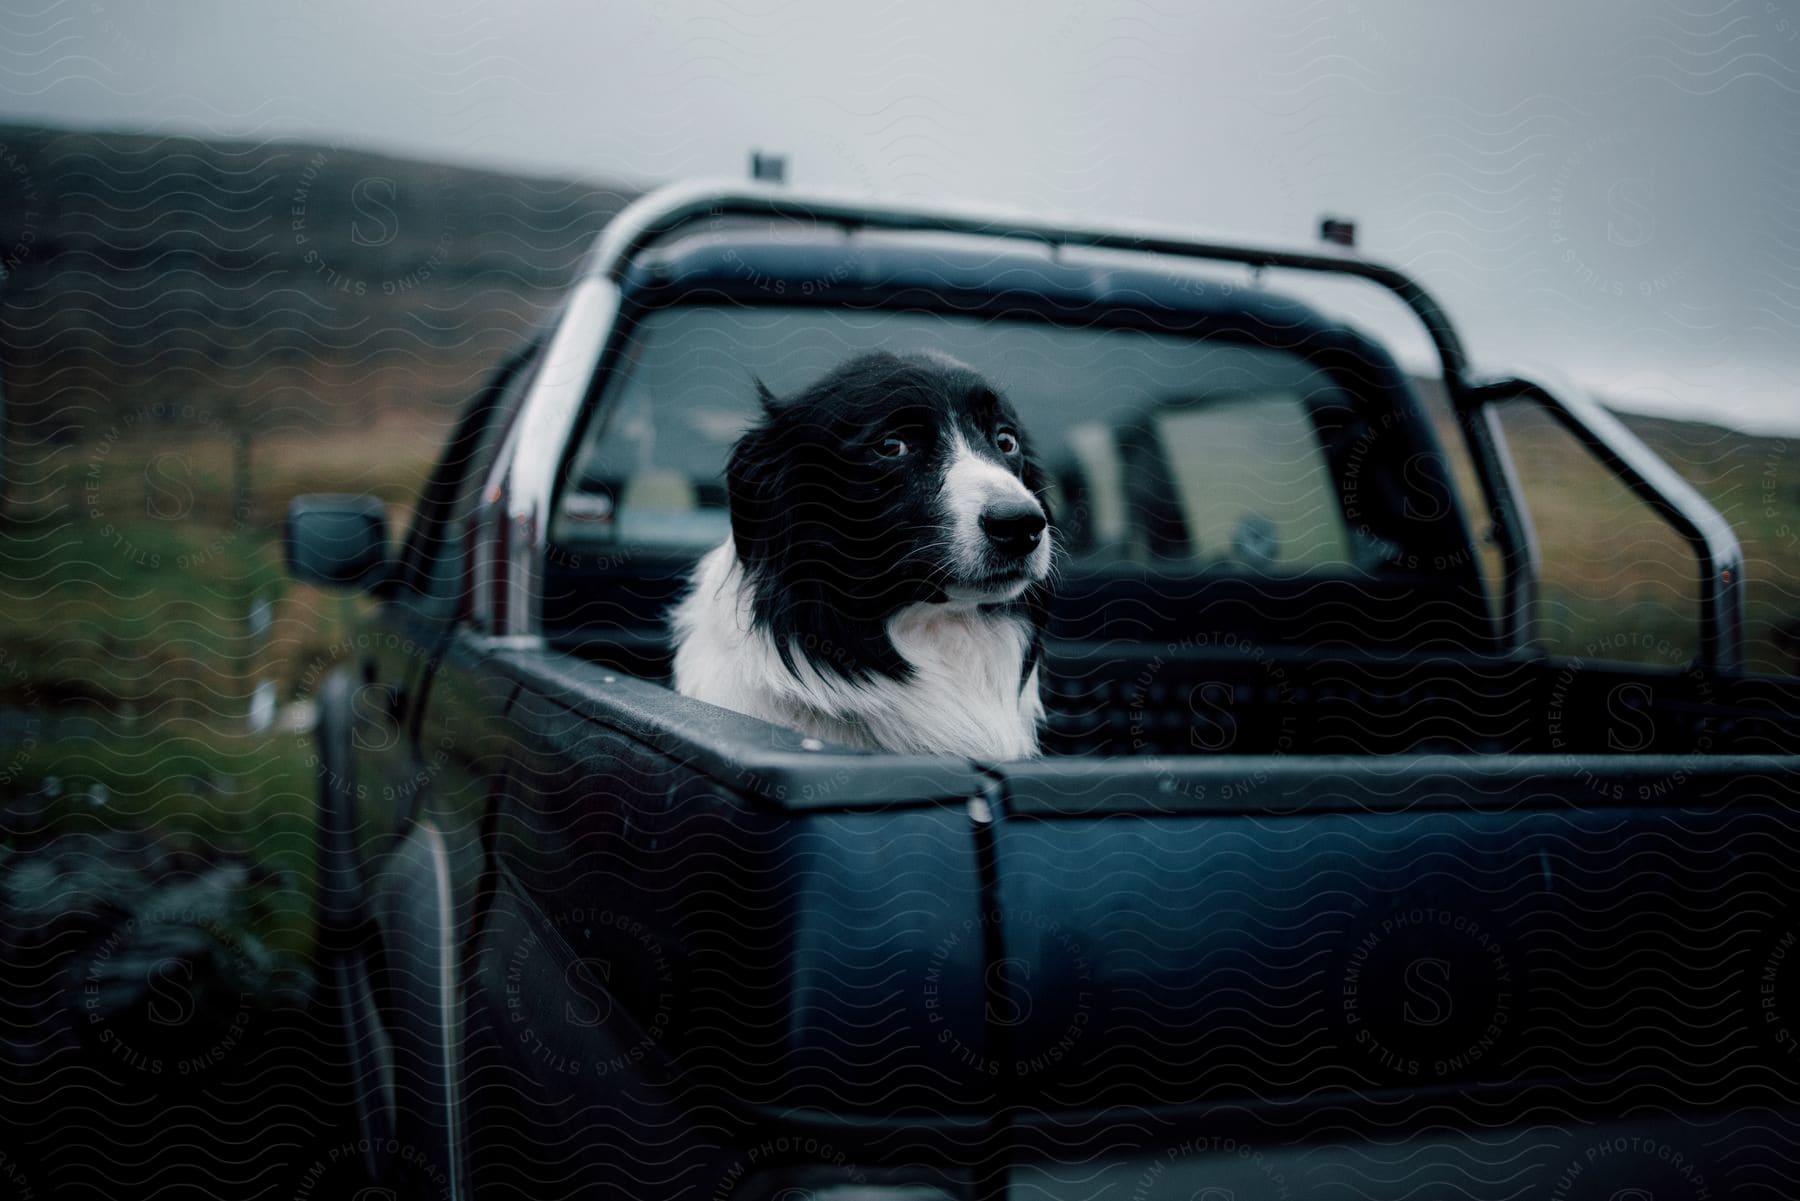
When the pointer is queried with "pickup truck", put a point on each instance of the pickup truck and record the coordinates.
(1329, 883)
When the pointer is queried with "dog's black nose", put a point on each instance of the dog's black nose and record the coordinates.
(1013, 529)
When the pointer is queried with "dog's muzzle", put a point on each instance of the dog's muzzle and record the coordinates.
(1013, 530)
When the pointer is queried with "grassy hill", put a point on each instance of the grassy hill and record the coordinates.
(171, 282)
(191, 332)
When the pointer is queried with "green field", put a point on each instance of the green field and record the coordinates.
(126, 592)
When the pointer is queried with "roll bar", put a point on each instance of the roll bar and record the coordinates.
(679, 208)
(659, 214)
(1653, 481)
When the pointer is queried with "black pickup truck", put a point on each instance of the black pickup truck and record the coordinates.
(1330, 882)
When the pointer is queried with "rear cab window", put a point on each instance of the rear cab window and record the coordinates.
(1163, 452)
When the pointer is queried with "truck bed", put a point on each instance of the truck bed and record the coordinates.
(1289, 949)
(1235, 696)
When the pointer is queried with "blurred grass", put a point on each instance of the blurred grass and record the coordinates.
(200, 796)
(128, 588)
(126, 593)
(163, 315)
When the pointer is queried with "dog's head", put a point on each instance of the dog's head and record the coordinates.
(894, 480)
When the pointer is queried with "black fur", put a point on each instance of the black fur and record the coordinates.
(836, 539)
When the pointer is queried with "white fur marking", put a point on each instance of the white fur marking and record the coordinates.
(971, 484)
(964, 697)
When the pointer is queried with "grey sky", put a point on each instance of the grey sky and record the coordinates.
(1609, 188)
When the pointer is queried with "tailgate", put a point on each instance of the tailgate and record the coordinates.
(1270, 939)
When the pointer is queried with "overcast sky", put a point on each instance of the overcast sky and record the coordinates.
(1608, 188)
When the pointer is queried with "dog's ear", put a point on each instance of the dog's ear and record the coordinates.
(754, 482)
(767, 399)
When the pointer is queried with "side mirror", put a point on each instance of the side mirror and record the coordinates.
(337, 541)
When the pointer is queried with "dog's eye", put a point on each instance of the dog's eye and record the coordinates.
(1007, 442)
(892, 447)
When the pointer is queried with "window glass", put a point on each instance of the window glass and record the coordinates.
(1253, 483)
(1157, 447)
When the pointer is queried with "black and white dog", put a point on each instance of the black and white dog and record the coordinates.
(884, 585)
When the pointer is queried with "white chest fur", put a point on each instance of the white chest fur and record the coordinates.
(964, 697)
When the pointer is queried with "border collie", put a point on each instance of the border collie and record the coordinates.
(884, 585)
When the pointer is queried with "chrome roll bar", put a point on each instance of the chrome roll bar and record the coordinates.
(661, 213)
(1707, 533)
(551, 411)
